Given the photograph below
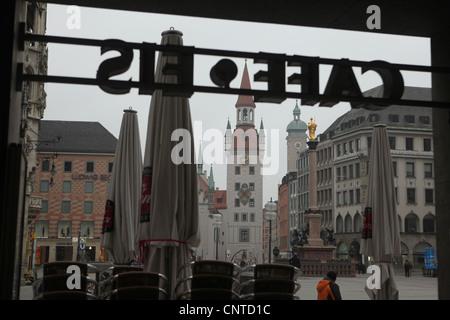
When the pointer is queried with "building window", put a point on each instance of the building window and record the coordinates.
(67, 166)
(357, 171)
(65, 206)
(251, 170)
(393, 118)
(429, 196)
(237, 170)
(411, 195)
(244, 235)
(87, 229)
(45, 166)
(338, 150)
(42, 228)
(110, 167)
(411, 223)
(67, 186)
(394, 168)
(351, 200)
(252, 217)
(244, 217)
(251, 186)
(338, 174)
(428, 170)
(392, 143)
(251, 203)
(358, 195)
(409, 144)
(410, 169)
(237, 186)
(43, 186)
(89, 187)
(425, 119)
(64, 229)
(350, 171)
(410, 119)
(338, 198)
(88, 207)
(350, 146)
(236, 217)
(358, 144)
(90, 166)
(426, 144)
(429, 224)
(236, 202)
(44, 208)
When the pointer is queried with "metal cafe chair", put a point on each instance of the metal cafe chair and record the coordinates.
(53, 276)
(134, 279)
(107, 276)
(67, 295)
(209, 294)
(141, 292)
(210, 279)
(59, 283)
(270, 281)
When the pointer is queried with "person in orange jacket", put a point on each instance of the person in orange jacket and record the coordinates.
(327, 289)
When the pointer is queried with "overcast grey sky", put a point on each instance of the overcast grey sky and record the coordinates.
(211, 111)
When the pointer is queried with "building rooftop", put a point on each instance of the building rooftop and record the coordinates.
(391, 116)
(75, 136)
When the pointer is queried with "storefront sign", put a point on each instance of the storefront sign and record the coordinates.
(94, 177)
(281, 73)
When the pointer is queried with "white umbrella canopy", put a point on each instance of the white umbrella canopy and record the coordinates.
(380, 232)
(121, 219)
(169, 204)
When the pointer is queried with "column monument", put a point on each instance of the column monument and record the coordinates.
(315, 248)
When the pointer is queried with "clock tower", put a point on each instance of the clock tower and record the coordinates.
(296, 139)
(244, 148)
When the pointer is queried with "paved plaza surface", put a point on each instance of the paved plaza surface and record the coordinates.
(415, 287)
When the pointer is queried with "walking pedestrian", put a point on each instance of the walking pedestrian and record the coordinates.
(408, 267)
(327, 289)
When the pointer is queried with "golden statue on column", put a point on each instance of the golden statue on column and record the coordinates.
(312, 129)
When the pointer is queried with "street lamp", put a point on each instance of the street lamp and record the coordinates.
(270, 214)
(217, 222)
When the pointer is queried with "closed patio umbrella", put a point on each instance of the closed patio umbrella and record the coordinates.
(169, 204)
(380, 232)
(121, 218)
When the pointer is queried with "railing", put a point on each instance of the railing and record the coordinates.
(316, 268)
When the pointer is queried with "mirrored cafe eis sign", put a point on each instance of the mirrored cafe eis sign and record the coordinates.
(285, 76)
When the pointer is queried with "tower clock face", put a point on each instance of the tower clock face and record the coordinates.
(298, 145)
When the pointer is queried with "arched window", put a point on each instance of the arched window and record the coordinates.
(239, 115)
(411, 223)
(339, 224)
(357, 222)
(429, 223)
(244, 115)
(348, 223)
(251, 115)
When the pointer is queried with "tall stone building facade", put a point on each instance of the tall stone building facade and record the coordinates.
(345, 147)
(245, 147)
(71, 181)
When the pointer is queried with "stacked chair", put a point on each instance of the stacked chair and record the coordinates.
(270, 282)
(132, 283)
(53, 283)
(210, 280)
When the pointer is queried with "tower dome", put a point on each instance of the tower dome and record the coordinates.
(297, 127)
